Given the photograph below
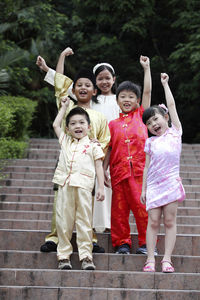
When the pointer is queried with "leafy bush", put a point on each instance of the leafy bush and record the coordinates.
(12, 149)
(6, 120)
(16, 116)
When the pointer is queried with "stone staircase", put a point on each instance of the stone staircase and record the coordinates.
(26, 200)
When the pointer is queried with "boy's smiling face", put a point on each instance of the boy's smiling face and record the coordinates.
(78, 126)
(127, 101)
(84, 90)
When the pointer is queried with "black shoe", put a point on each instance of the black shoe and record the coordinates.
(49, 247)
(97, 248)
(143, 250)
(123, 249)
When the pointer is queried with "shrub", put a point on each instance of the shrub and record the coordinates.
(6, 120)
(17, 115)
(11, 149)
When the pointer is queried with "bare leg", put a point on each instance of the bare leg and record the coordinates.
(170, 212)
(154, 217)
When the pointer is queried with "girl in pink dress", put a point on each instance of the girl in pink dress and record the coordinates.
(162, 188)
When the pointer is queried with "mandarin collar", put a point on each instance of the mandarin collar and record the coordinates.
(122, 115)
(83, 140)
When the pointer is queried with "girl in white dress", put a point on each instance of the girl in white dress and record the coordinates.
(106, 104)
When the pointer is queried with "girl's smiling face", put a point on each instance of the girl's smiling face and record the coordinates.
(127, 101)
(157, 124)
(105, 81)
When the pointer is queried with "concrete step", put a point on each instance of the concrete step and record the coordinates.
(91, 293)
(49, 153)
(25, 219)
(37, 182)
(51, 162)
(43, 141)
(48, 173)
(54, 154)
(31, 206)
(99, 279)
(33, 162)
(39, 215)
(27, 215)
(191, 174)
(27, 190)
(28, 176)
(13, 239)
(30, 169)
(28, 198)
(114, 262)
(26, 182)
(25, 165)
(49, 199)
(46, 225)
(191, 193)
(54, 147)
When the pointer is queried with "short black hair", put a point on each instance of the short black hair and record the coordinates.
(129, 86)
(85, 73)
(77, 111)
(151, 111)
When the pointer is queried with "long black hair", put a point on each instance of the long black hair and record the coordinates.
(114, 86)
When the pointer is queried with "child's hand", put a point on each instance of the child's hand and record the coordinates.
(100, 196)
(41, 63)
(65, 102)
(93, 140)
(107, 180)
(143, 198)
(144, 61)
(68, 51)
(164, 78)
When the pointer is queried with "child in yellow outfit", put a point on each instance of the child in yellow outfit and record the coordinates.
(80, 159)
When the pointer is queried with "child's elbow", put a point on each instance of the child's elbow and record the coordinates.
(55, 125)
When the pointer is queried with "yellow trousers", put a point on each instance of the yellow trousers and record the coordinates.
(74, 208)
(52, 236)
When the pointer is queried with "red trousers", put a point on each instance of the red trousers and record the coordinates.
(126, 197)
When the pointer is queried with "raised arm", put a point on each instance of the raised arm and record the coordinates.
(50, 73)
(41, 63)
(170, 101)
(146, 95)
(60, 65)
(57, 124)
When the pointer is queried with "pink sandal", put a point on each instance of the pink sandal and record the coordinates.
(149, 266)
(169, 268)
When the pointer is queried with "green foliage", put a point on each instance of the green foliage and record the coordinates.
(16, 114)
(113, 31)
(10, 149)
(6, 120)
(21, 111)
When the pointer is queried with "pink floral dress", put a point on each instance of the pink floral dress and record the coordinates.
(163, 181)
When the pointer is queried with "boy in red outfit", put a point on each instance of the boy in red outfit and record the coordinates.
(126, 158)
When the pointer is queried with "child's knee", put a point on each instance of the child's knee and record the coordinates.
(154, 223)
(169, 221)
